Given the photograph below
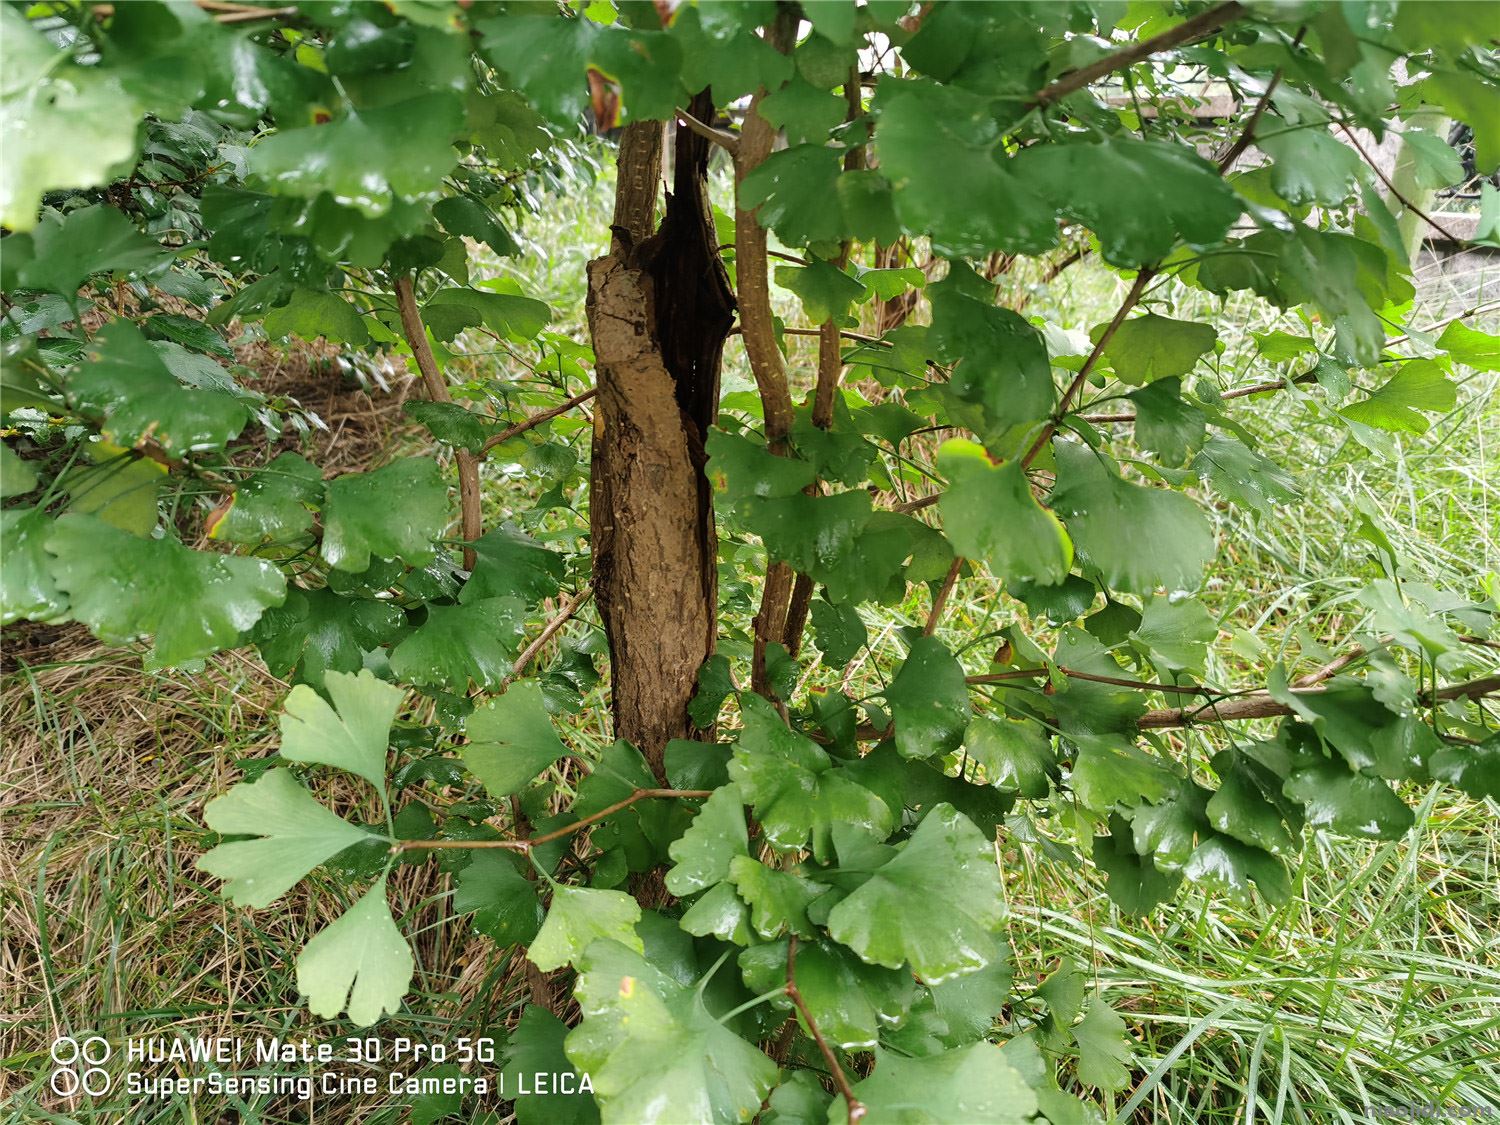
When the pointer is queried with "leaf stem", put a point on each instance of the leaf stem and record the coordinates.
(840, 1079)
(531, 843)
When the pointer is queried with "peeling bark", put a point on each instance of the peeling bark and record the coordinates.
(659, 309)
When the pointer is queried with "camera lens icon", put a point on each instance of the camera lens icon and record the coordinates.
(80, 1066)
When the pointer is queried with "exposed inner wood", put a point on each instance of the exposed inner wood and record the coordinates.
(659, 309)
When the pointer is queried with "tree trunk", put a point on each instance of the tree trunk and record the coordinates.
(659, 309)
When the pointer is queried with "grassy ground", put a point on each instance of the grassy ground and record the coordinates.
(1378, 984)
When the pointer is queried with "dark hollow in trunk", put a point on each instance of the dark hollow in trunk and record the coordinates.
(659, 309)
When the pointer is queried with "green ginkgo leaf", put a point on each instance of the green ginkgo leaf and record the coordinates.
(654, 1051)
(360, 963)
(990, 513)
(894, 918)
(580, 916)
(294, 833)
(353, 734)
(123, 588)
(511, 739)
(393, 512)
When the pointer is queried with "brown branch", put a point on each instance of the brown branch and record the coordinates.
(862, 337)
(534, 420)
(857, 1108)
(471, 513)
(918, 504)
(1260, 705)
(1132, 297)
(1396, 192)
(940, 599)
(1239, 392)
(727, 141)
(556, 834)
(1226, 158)
(758, 330)
(1224, 709)
(1091, 677)
(570, 606)
(1199, 27)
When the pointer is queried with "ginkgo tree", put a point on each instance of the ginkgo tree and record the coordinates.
(768, 899)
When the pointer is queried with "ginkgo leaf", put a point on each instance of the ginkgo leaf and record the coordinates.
(1139, 538)
(192, 603)
(64, 126)
(16, 477)
(128, 385)
(778, 900)
(98, 239)
(703, 853)
(796, 791)
(929, 701)
(509, 563)
(28, 590)
(294, 834)
(353, 734)
(393, 512)
(511, 739)
(1103, 1047)
(851, 1002)
(462, 643)
(1139, 196)
(894, 918)
(501, 899)
(1151, 347)
(271, 505)
(369, 159)
(361, 963)
(990, 513)
(580, 916)
(654, 1052)
(976, 1085)
(312, 313)
(1016, 756)
(318, 631)
(1419, 387)
(536, 1047)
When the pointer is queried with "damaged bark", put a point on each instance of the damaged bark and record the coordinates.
(659, 309)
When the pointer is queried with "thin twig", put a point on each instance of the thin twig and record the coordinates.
(1199, 27)
(836, 1072)
(1396, 192)
(535, 420)
(1091, 677)
(556, 834)
(471, 512)
(1225, 159)
(940, 600)
(570, 606)
(1132, 297)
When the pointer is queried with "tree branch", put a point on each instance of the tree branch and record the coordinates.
(1260, 705)
(535, 420)
(727, 141)
(940, 599)
(570, 606)
(556, 834)
(471, 512)
(758, 330)
(1199, 27)
(857, 1108)
(1132, 297)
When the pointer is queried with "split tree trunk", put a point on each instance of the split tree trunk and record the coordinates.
(659, 309)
